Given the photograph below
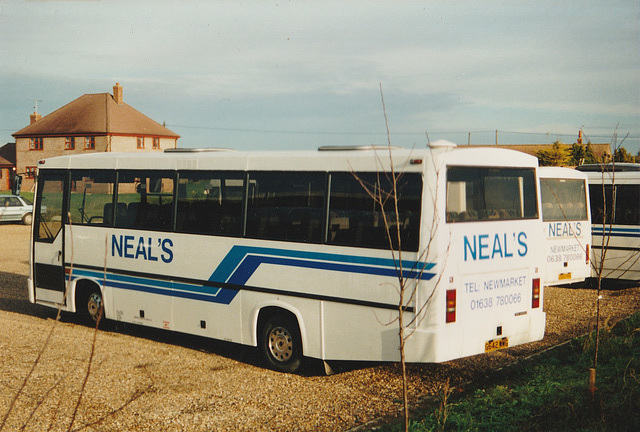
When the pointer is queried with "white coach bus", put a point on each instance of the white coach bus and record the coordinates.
(567, 224)
(287, 251)
(615, 210)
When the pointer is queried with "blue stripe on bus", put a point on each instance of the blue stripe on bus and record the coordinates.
(250, 264)
(237, 254)
(241, 263)
(616, 232)
(123, 281)
(220, 296)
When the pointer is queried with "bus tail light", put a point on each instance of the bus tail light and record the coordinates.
(535, 297)
(451, 306)
(586, 258)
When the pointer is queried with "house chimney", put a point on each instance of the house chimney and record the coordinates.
(34, 117)
(117, 94)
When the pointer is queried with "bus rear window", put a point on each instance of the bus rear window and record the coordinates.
(481, 194)
(563, 199)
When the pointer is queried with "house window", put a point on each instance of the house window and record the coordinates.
(70, 143)
(140, 142)
(30, 171)
(90, 143)
(35, 143)
(156, 143)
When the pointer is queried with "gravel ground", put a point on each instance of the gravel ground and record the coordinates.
(148, 380)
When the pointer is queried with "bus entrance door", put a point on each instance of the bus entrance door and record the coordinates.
(48, 235)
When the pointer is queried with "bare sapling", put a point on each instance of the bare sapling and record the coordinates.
(599, 259)
(387, 201)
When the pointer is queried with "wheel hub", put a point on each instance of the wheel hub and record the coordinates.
(94, 305)
(280, 344)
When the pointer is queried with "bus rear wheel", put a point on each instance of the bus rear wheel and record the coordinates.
(281, 344)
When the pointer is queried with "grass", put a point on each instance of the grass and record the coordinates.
(550, 392)
(26, 194)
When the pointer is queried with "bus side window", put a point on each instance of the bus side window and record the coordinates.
(627, 199)
(601, 207)
(210, 202)
(356, 219)
(148, 197)
(286, 206)
(91, 197)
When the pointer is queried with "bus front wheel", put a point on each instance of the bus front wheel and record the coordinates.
(281, 344)
(90, 305)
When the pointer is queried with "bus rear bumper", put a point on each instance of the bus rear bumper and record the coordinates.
(458, 340)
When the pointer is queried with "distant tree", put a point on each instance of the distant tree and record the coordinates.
(621, 155)
(582, 154)
(577, 154)
(589, 155)
(556, 156)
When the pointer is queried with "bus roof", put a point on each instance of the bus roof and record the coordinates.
(611, 177)
(560, 172)
(619, 167)
(375, 159)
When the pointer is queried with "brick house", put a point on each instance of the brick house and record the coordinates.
(7, 165)
(91, 123)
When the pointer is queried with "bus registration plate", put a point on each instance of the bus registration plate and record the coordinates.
(564, 276)
(496, 344)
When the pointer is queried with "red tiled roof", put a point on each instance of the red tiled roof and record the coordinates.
(8, 155)
(95, 114)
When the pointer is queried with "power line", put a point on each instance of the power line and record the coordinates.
(278, 131)
(408, 133)
(382, 133)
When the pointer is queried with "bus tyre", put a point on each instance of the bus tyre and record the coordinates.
(26, 219)
(91, 306)
(281, 344)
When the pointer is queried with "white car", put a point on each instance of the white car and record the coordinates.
(15, 208)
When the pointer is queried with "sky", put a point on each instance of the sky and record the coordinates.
(262, 75)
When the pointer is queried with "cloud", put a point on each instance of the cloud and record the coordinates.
(317, 66)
